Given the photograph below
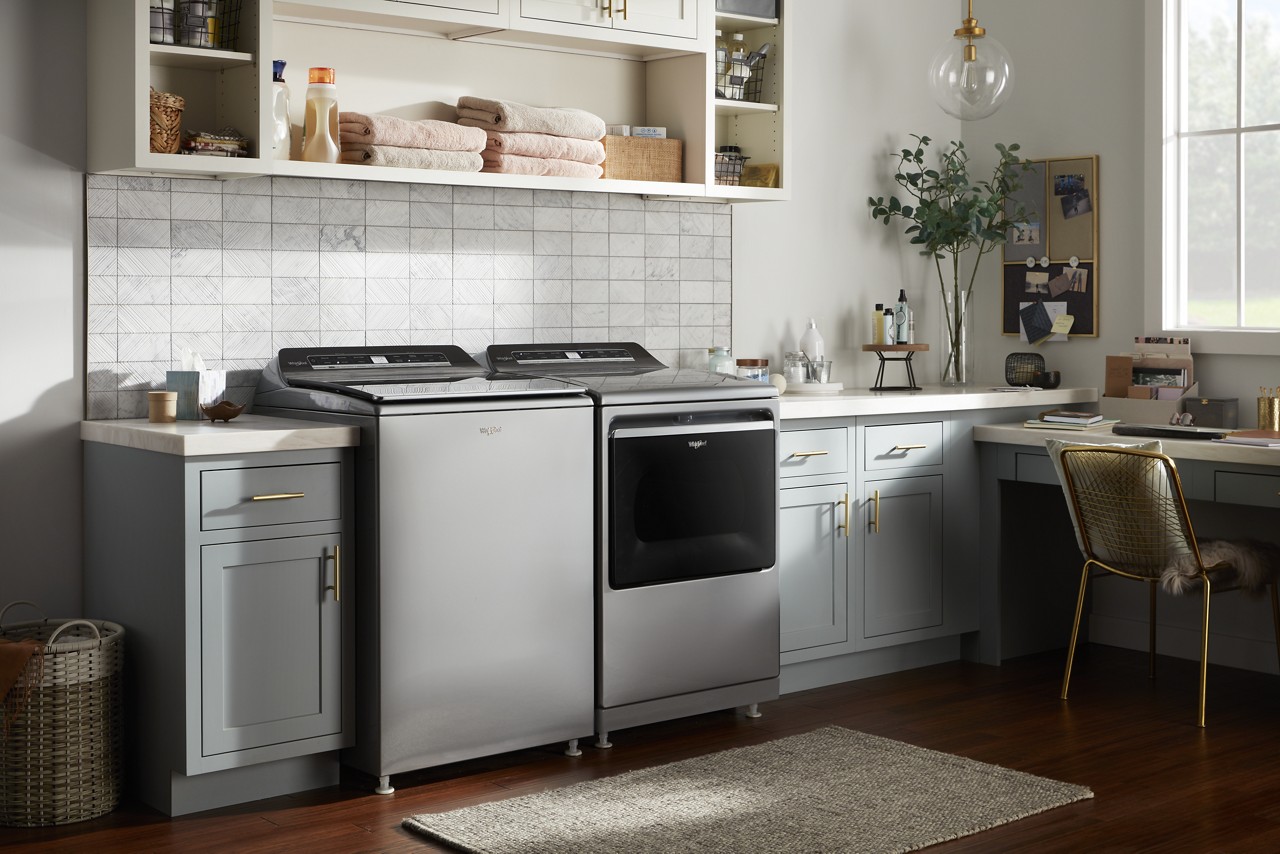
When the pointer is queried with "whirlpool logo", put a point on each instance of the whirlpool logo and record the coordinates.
(698, 443)
(490, 431)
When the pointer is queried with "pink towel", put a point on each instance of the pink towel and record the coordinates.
(546, 145)
(521, 118)
(362, 129)
(516, 164)
(411, 158)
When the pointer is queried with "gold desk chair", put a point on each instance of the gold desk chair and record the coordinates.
(1132, 520)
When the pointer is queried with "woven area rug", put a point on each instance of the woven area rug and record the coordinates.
(831, 790)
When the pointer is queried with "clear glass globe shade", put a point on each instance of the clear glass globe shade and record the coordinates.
(971, 90)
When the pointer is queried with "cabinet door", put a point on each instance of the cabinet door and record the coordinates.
(813, 560)
(901, 580)
(587, 13)
(662, 17)
(270, 657)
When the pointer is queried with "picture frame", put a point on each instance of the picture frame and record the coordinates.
(1053, 255)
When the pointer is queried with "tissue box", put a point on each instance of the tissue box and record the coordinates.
(196, 389)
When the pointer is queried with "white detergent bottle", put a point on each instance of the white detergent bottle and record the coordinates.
(811, 343)
(281, 130)
(320, 128)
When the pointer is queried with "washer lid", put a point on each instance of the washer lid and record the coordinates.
(593, 359)
(360, 365)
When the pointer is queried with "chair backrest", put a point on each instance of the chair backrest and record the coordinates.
(1129, 508)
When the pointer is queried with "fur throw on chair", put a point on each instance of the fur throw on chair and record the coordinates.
(1246, 564)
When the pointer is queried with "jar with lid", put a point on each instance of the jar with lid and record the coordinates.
(795, 367)
(720, 361)
(754, 369)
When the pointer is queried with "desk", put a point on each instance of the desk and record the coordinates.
(1013, 454)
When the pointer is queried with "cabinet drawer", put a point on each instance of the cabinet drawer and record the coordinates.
(271, 495)
(805, 452)
(891, 446)
(1258, 490)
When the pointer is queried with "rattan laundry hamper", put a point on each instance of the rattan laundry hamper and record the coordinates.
(60, 754)
(166, 121)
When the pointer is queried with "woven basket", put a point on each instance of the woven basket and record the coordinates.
(60, 758)
(642, 158)
(166, 120)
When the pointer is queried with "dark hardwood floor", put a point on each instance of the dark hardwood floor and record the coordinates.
(1159, 783)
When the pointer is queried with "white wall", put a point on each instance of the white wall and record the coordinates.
(858, 89)
(42, 161)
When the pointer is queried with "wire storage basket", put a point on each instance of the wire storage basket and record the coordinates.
(196, 23)
(728, 169)
(60, 740)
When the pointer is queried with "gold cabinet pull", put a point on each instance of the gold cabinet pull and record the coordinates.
(278, 496)
(800, 454)
(606, 6)
(845, 526)
(336, 586)
(909, 447)
(624, 9)
(875, 518)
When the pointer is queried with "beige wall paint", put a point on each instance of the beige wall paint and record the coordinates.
(42, 55)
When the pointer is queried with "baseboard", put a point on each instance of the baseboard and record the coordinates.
(1183, 642)
(820, 672)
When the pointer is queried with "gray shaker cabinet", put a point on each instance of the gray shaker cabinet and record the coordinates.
(232, 577)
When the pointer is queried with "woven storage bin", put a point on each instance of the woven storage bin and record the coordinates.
(166, 121)
(60, 757)
(643, 158)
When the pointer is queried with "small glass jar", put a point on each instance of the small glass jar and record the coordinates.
(754, 369)
(795, 367)
(720, 361)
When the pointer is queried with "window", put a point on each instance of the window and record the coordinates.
(1221, 235)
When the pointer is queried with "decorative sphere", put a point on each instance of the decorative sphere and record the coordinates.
(971, 90)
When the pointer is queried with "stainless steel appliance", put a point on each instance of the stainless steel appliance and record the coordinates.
(686, 530)
(474, 545)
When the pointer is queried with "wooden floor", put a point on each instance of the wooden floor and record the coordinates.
(1159, 782)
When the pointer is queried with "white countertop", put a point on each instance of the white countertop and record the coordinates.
(854, 402)
(246, 434)
(1179, 449)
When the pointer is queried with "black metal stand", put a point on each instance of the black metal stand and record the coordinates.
(907, 352)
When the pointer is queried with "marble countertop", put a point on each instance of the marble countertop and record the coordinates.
(244, 435)
(854, 402)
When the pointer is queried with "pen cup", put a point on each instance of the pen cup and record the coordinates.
(1269, 413)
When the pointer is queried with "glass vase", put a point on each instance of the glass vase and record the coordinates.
(956, 336)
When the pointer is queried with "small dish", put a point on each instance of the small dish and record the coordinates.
(223, 410)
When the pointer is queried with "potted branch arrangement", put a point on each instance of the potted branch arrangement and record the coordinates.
(947, 214)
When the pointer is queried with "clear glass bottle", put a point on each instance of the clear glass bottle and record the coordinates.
(795, 367)
(721, 361)
(320, 129)
(722, 60)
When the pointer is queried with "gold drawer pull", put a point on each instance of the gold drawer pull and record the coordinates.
(909, 447)
(875, 520)
(278, 496)
(799, 454)
(845, 526)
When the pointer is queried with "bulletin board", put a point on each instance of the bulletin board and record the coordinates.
(1052, 257)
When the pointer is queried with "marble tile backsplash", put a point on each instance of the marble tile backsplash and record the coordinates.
(235, 270)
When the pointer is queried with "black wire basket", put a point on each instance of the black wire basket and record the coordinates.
(1022, 368)
(211, 24)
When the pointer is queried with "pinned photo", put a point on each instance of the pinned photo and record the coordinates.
(1066, 185)
(1076, 204)
(1037, 283)
(1025, 234)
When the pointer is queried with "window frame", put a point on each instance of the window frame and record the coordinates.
(1162, 172)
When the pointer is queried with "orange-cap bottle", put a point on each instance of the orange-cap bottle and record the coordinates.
(320, 122)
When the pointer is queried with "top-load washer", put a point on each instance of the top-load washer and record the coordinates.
(687, 613)
(474, 552)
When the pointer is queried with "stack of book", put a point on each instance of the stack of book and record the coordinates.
(1266, 438)
(1070, 419)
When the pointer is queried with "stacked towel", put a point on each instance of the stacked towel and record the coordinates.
(377, 140)
(524, 140)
